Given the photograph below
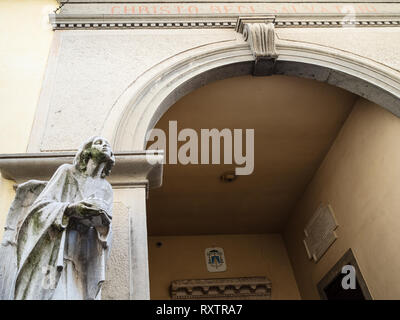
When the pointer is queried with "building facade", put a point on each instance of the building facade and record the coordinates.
(318, 82)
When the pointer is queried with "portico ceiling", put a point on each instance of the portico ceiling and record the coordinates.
(295, 122)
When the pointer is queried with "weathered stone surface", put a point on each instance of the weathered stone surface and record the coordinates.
(107, 76)
(89, 70)
(377, 44)
(58, 233)
(116, 285)
(131, 168)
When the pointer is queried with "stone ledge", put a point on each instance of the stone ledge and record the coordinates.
(223, 288)
(131, 169)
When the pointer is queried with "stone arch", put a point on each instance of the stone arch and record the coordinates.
(145, 101)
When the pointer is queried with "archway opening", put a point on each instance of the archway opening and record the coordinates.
(302, 128)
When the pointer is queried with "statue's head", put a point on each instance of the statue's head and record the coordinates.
(98, 149)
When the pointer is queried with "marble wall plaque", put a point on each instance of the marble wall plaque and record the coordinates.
(319, 232)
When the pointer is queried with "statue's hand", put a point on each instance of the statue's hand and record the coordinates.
(83, 209)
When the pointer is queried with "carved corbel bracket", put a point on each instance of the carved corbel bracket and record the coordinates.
(260, 34)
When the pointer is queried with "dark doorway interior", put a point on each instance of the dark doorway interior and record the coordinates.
(330, 287)
(335, 291)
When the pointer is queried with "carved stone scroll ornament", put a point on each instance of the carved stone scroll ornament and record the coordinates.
(58, 234)
(224, 288)
(261, 37)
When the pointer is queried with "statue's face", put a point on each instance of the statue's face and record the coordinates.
(102, 146)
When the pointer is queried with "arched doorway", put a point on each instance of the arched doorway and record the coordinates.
(134, 115)
(297, 122)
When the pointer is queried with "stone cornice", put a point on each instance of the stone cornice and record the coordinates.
(127, 21)
(247, 287)
(113, 14)
(131, 169)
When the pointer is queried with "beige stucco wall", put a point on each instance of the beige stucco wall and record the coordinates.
(183, 257)
(25, 38)
(360, 178)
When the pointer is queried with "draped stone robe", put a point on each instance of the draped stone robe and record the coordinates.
(47, 255)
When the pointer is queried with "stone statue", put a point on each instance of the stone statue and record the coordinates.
(58, 234)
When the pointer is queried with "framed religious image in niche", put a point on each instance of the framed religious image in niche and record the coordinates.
(344, 281)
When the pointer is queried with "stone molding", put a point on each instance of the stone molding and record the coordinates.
(141, 106)
(132, 169)
(246, 287)
(128, 21)
(168, 81)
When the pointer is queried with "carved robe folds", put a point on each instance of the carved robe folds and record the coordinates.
(46, 254)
